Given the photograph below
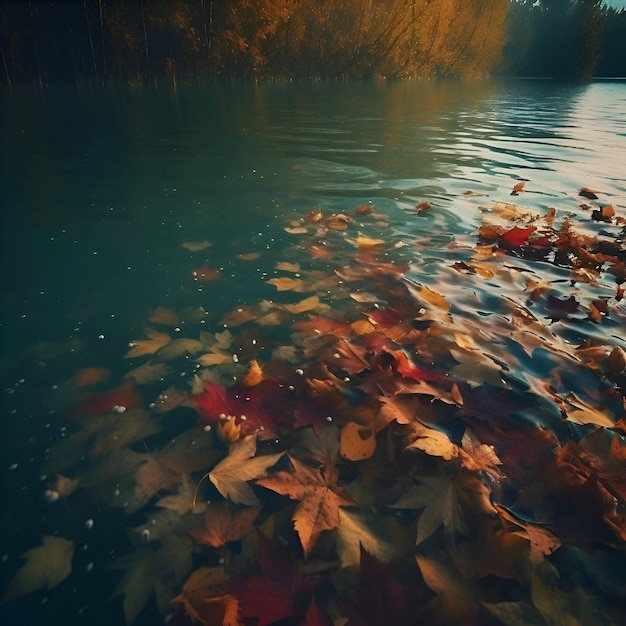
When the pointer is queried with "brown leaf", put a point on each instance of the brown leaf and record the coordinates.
(319, 499)
(223, 522)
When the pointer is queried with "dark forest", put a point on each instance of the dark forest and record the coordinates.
(90, 42)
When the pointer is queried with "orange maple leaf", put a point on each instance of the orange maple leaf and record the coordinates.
(319, 495)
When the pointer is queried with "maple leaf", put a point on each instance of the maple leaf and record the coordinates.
(223, 523)
(204, 600)
(381, 597)
(169, 467)
(156, 341)
(447, 499)
(318, 495)
(476, 367)
(455, 594)
(104, 401)
(516, 236)
(48, 565)
(360, 531)
(165, 316)
(149, 572)
(430, 440)
(231, 475)
(279, 591)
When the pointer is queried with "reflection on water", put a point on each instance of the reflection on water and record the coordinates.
(102, 189)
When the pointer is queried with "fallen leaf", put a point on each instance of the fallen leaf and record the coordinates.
(319, 499)
(423, 206)
(179, 347)
(196, 246)
(156, 341)
(203, 598)
(205, 273)
(48, 565)
(285, 266)
(152, 571)
(366, 243)
(308, 304)
(590, 194)
(90, 376)
(165, 316)
(231, 475)
(223, 522)
(287, 284)
(148, 373)
(518, 188)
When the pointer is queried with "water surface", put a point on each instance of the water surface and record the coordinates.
(101, 189)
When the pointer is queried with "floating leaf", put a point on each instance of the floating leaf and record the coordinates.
(308, 304)
(366, 243)
(287, 284)
(319, 499)
(231, 475)
(285, 266)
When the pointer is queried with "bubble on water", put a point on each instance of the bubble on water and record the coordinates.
(89, 567)
(50, 496)
(89, 524)
(12, 467)
(118, 408)
(300, 372)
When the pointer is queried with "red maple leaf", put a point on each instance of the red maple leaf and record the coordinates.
(104, 401)
(381, 597)
(278, 591)
(259, 408)
(516, 236)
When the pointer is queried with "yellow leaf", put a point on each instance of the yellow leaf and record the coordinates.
(48, 565)
(156, 341)
(214, 358)
(363, 327)
(254, 375)
(357, 442)
(287, 284)
(196, 246)
(308, 304)
(248, 256)
(288, 267)
(434, 298)
(366, 243)
(180, 347)
(230, 475)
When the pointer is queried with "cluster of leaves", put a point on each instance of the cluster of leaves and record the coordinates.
(400, 456)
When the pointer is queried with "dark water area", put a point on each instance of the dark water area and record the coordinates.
(104, 191)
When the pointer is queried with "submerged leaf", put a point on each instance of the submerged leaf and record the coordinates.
(48, 565)
(156, 341)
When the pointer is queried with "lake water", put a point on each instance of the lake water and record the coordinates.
(105, 193)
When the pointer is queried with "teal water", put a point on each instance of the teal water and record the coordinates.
(101, 189)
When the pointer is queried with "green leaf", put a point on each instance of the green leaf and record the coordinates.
(47, 566)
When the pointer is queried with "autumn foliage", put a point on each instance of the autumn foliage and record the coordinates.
(373, 446)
